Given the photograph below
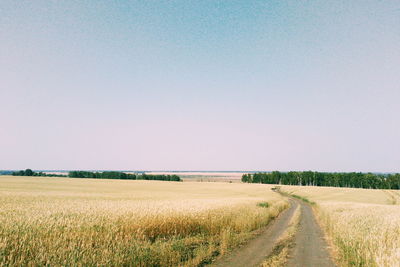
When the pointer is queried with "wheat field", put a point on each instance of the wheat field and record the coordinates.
(64, 221)
(363, 224)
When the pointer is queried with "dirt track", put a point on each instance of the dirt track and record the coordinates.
(255, 251)
(310, 249)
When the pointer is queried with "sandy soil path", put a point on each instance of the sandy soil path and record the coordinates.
(310, 248)
(256, 250)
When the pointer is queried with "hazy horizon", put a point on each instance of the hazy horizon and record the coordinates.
(208, 85)
(185, 171)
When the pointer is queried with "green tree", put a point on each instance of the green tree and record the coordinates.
(29, 172)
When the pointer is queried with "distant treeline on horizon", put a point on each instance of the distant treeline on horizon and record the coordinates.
(101, 175)
(339, 179)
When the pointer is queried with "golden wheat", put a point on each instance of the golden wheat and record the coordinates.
(364, 224)
(61, 221)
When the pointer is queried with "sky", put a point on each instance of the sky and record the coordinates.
(200, 85)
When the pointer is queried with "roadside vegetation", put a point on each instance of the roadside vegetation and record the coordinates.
(363, 225)
(337, 179)
(290, 194)
(87, 222)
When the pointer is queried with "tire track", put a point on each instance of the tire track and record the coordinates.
(393, 197)
(310, 248)
(257, 250)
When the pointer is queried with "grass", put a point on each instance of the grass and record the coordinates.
(263, 204)
(63, 221)
(291, 194)
(303, 199)
(362, 224)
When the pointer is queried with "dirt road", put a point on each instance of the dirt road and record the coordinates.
(255, 251)
(310, 249)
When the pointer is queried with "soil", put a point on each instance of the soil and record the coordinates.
(310, 248)
(257, 250)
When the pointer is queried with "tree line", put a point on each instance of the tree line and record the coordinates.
(102, 175)
(123, 176)
(29, 172)
(337, 179)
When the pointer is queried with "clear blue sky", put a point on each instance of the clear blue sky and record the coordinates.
(200, 85)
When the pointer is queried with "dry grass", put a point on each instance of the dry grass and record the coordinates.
(363, 224)
(62, 221)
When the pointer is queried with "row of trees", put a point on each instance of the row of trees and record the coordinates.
(122, 175)
(29, 172)
(310, 178)
(102, 175)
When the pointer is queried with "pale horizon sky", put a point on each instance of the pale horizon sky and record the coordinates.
(200, 85)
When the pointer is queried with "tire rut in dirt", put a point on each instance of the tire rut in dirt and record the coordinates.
(254, 252)
(311, 249)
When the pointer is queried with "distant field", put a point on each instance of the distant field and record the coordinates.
(364, 224)
(233, 177)
(191, 176)
(66, 221)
